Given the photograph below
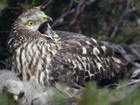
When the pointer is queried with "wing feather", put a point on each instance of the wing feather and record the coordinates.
(86, 59)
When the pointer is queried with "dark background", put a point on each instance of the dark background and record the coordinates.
(117, 21)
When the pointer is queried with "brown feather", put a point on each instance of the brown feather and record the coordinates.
(81, 58)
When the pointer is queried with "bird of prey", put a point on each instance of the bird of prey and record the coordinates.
(23, 92)
(40, 54)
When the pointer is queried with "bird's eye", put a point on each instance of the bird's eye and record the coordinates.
(31, 22)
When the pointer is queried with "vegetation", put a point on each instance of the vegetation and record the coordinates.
(94, 96)
(121, 96)
(6, 98)
(116, 21)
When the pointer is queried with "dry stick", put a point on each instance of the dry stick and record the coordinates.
(119, 21)
(80, 8)
(109, 86)
(64, 14)
(67, 7)
(76, 85)
(45, 4)
(59, 20)
(70, 5)
(68, 11)
(79, 11)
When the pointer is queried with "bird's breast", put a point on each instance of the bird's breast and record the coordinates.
(31, 59)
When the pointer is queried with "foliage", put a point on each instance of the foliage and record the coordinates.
(77, 1)
(125, 95)
(111, 20)
(116, 20)
(6, 98)
(92, 95)
(3, 4)
(103, 19)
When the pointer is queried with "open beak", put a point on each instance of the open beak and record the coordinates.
(45, 28)
(20, 96)
(15, 97)
(49, 19)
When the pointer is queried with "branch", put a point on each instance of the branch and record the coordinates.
(61, 18)
(80, 8)
(45, 4)
(66, 12)
(119, 21)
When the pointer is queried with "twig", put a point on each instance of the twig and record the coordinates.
(80, 8)
(70, 5)
(111, 86)
(76, 85)
(119, 21)
(45, 4)
(68, 11)
(61, 18)
(63, 15)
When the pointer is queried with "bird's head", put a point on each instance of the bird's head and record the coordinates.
(33, 21)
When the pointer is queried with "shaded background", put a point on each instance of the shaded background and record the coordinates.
(116, 21)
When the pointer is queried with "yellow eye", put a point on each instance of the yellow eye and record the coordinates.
(31, 22)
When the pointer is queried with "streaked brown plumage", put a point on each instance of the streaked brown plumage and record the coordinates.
(45, 57)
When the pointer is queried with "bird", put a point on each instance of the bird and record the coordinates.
(129, 53)
(23, 92)
(48, 57)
